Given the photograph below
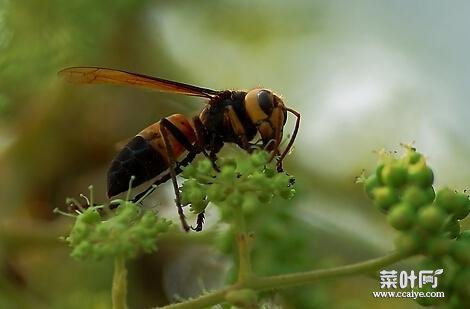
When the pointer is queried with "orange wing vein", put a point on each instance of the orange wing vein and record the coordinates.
(96, 75)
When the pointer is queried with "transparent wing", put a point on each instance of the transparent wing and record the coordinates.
(96, 75)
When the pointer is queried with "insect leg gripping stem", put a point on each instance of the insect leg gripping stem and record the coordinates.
(292, 139)
(172, 160)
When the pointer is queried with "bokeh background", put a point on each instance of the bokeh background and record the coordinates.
(365, 75)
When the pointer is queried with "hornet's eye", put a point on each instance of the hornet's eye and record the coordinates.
(265, 101)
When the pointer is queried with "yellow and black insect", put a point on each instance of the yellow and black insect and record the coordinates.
(160, 150)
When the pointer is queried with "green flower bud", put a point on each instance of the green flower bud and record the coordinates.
(228, 173)
(394, 174)
(191, 184)
(258, 179)
(431, 218)
(107, 249)
(461, 251)
(445, 198)
(204, 167)
(149, 246)
(82, 250)
(463, 206)
(460, 284)
(148, 219)
(438, 246)
(192, 192)
(430, 194)
(408, 242)
(416, 196)
(185, 198)
(90, 216)
(265, 197)
(189, 171)
(370, 184)
(216, 193)
(384, 198)
(126, 212)
(465, 235)
(412, 157)
(249, 204)
(287, 193)
(228, 162)
(196, 196)
(401, 216)
(198, 206)
(270, 172)
(226, 213)
(378, 173)
(125, 234)
(281, 181)
(452, 228)
(225, 241)
(162, 226)
(259, 158)
(79, 231)
(244, 182)
(421, 175)
(235, 198)
(453, 203)
(102, 230)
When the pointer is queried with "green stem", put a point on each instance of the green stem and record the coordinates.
(204, 301)
(290, 280)
(119, 292)
(244, 243)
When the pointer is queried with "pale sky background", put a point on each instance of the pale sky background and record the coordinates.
(364, 76)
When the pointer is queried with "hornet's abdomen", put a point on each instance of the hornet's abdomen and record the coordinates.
(138, 158)
(145, 157)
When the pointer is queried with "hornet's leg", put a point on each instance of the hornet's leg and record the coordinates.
(292, 139)
(165, 127)
(237, 127)
(278, 137)
(169, 127)
(199, 222)
(181, 138)
(202, 140)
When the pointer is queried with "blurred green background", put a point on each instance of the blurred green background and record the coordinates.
(364, 74)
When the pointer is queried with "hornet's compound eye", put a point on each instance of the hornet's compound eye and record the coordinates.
(265, 101)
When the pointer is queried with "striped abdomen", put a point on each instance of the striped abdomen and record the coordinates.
(145, 156)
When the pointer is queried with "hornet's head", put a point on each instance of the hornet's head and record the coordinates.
(268, 113)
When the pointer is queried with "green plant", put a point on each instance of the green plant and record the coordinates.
(99, 233)
(427, 225)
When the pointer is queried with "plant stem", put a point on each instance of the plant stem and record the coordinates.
(119, 291)
(204, 301)
(290, 280)
(244, 244)
(285, 281)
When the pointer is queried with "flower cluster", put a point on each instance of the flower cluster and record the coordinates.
(428, 222)
(247, 181)
(99, 232)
